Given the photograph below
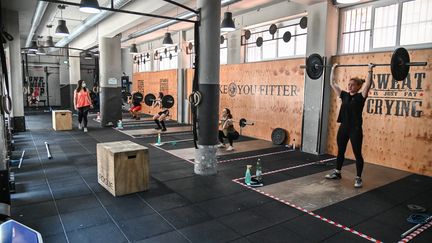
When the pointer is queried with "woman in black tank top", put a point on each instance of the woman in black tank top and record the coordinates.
(350, 119)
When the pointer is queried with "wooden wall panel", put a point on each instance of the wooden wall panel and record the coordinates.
(270, 94)
(155, 82)
(397, 117)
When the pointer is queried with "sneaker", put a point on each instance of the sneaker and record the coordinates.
(85, 129)
(334, 175)
(221, 145)
(79, 126)
(358, 182)
(163, 129)
(230, 148)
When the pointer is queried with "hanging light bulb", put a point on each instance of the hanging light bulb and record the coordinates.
(133, 49)
(89, 6)
(33, 47)
(167, 40)
(62, 29)
(227, 22)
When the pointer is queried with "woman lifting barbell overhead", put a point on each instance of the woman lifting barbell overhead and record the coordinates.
(350, 119)
(160, 117)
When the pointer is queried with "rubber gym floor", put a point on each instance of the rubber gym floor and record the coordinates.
(62, 199)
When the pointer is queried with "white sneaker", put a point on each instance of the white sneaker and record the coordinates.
(221, 145)
(230, 148)
(79, 126)
(85, 129)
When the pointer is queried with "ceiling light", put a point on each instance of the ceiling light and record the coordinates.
(49, 41)
(62, 29)
(89, 6)
(227, 22)
(167, 40)
(33, 47)
(40, 51)
(133, 49)
(88, 56)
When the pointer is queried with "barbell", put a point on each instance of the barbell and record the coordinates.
(400, 64)
(243, 122)
(167, 100)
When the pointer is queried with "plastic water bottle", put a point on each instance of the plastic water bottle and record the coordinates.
(248, 177)
(120, 124)
(293, 146)
(159, 139)
(258, 170)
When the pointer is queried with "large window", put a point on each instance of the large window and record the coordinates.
(223, 56)
(144, 64)
(274, 48)
(380, 26)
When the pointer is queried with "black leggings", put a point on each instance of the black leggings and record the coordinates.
(82, 114)
(222, 136)
(355, 135)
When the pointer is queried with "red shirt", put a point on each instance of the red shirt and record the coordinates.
(82, 99)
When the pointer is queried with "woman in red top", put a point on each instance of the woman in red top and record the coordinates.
(82, 103)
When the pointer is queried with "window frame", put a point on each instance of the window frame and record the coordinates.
(375, 5)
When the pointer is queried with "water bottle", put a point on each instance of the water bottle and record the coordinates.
(248, 177)
(258, 171)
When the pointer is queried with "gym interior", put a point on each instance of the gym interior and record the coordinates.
(216, 121)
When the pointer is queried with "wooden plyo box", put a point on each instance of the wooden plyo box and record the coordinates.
(62, 120)
(123, 167)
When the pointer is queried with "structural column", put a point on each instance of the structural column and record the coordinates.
(15, 72)
(182, 104)
(208, 110)
(322, 39)
(74, 72)
(110, 80)
(64, 76)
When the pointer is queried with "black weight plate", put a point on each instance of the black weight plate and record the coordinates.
(166, 51)
(312, 71)
(175, 48)
(149, 98)
(398, 66)
(125, 96)
(148, 55)
(247, 34)
(242, 122)
(138, 96)
(167, 101)
(303, 22)
(286, 36)
(190, 46)
(222, 39)
(170, 56)
(156, 53)
(138, 62)
(160, 58)
(259, 41)
(144, 61)
(278, 136)
(272, 29)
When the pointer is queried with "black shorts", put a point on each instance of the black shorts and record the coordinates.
(166, 112)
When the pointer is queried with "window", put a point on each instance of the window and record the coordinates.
(385, 24)
(223, 57)
(379, 26)
(356, 30)
(145, 64)
(163, 61)
(416, 22)
(273, 48)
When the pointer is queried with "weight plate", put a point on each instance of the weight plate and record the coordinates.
(149, 98)
(272, 29)
(138, 97)
(148, 55)
(156, 53)
(167, 101)
(160, 58)
(222, 39)
(190, 46)
(138, 62)
(175, 48)
(144, 61)
(170, 56)
(242, 122)
(303, 22)
(259, 41)
(278, 136)
(398, 66)
(166, 51)
(286, 36)
(247, 34)
(313, 71)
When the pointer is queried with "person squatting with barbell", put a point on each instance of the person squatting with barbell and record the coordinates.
(160, 117)
(135, 100)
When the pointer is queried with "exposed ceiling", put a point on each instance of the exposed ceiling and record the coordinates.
(74, 17)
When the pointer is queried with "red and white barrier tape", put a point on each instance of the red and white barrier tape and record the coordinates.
(416, 232)
(302, 209)
(255, 156)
